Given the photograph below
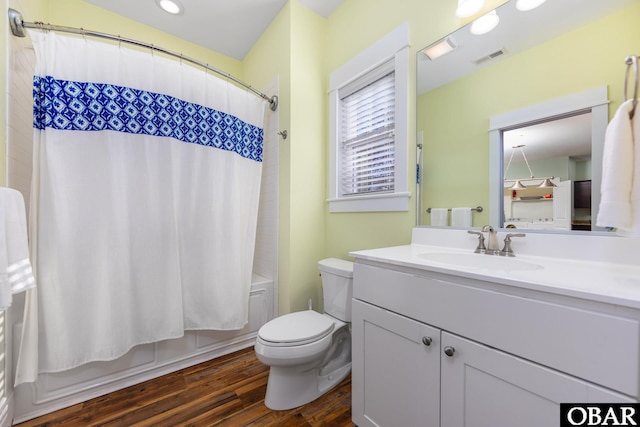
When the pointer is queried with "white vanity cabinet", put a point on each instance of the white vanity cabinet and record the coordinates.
(432, 349)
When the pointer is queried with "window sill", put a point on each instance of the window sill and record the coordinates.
(391, 202)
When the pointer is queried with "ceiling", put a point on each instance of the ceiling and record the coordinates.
(516, 32)
(565, 137)
(230, 27)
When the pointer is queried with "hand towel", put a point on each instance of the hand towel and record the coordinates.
(15, 266)
(439, 216)
(461, 217)
(620, 188)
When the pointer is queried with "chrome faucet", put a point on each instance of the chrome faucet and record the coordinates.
(480, 249)
(493, 247)
(507, 251)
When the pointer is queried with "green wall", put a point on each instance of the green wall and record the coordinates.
(308, 155)
(293, 49)
(455, 117)
(270, 57)
(353, 27)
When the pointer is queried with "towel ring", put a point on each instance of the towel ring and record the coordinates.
(631, 61)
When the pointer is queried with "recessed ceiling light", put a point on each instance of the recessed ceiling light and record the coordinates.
(485, 23)
(526, 5)
(467, 8)
(173, 7)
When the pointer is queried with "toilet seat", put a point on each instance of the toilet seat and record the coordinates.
(298, 328)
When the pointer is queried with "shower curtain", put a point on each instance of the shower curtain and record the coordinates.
(144, 200)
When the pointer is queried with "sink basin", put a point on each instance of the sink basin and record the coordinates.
(480, 261)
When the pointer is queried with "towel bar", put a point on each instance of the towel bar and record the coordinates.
(477, 209)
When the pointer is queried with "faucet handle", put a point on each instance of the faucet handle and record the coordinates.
(510, 235)
(507, 251)
(481, 248)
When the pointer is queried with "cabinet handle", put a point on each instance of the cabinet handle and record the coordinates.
(427, 341)
(448, 350)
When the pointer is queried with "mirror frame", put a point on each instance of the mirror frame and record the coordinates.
(594, 100)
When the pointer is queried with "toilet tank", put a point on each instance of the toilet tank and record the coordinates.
(337, 287)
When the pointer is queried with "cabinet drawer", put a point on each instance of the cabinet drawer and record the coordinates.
(597, 347)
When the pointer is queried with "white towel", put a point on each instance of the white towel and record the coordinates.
(461, 217)
(620, 189)
(439, 217)
(15, 266)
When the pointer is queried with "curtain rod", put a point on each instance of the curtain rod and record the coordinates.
(18, 25)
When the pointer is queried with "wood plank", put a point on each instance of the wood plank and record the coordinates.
(226, 392)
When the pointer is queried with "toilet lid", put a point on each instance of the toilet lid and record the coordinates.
(296, 328)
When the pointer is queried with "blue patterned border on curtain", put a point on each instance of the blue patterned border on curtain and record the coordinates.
(88, 106)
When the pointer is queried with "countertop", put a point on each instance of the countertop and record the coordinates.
(605, 282)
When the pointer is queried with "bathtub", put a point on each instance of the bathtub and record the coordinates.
(52, 392)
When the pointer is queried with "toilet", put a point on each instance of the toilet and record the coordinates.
(308, 352)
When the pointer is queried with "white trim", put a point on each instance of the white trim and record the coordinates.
(555, 107)
(387, 202)
(394, 46)
(595, 100)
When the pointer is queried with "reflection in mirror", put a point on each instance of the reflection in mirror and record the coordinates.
(548, 171)
(562, 48)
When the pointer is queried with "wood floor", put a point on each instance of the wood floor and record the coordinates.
(228, 391)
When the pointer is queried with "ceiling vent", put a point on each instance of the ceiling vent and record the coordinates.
(491, 56)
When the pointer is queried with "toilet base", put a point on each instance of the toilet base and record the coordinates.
(288, 388)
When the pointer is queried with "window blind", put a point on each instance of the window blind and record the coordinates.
(367, 141)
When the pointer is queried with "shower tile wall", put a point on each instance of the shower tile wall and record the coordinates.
(20, 65)
(21, 60)
(265, 261)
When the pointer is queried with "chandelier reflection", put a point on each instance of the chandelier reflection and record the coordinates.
(518, 183)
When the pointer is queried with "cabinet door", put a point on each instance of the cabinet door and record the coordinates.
(395, 374)
(482, 387)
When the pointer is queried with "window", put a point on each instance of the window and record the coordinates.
(366, 146)
(369, 129)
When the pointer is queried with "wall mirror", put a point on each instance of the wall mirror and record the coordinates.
(539, 162)
(544, 81)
